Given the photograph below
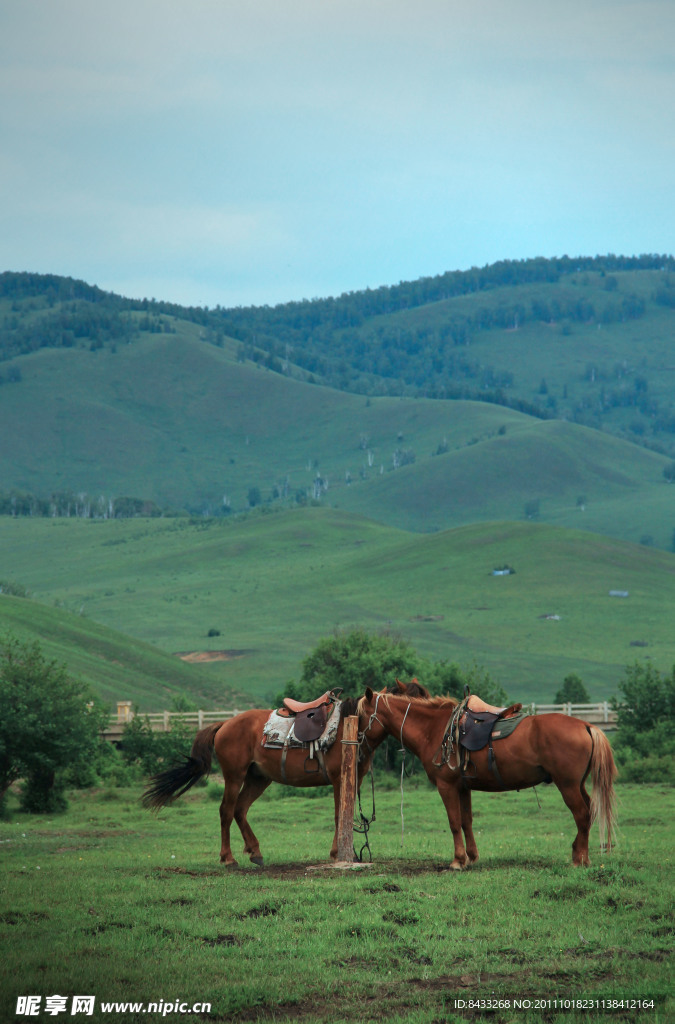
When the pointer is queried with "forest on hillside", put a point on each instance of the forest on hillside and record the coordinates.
(428, 338)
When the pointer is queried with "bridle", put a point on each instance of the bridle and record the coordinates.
(374, 718)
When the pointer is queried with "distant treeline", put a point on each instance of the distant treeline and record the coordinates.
(352, 308)
(340, 341)
(67, 504)
(47, 311)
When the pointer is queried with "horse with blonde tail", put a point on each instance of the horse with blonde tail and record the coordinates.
(540, 748)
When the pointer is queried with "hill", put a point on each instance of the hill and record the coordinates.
(583, 339)
(257, 594)
(115, 666)
(172, 420)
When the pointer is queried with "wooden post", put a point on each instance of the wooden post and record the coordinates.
(345, 850)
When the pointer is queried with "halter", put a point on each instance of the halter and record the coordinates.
(374, 718)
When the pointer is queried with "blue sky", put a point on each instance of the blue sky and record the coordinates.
(208, 152)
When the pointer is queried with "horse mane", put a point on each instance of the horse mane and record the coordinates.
(421, 700)
(437, 702)
(443, 702)
(416, 691)
(348, 706)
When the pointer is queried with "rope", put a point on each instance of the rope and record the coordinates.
(403, 751)
(364, 827)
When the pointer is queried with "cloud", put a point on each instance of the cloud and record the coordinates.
(317, 147)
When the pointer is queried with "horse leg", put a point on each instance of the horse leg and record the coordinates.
(467, 825)
(579, 803)
(254, 786)
(451, 800)
(233, 785)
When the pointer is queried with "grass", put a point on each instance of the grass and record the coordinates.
(274, 585)
(111, 901)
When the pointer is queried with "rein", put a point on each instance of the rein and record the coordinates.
(403, 751)
(374, 718)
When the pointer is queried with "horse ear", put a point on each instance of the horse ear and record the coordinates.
(369, 694)
(401, 686)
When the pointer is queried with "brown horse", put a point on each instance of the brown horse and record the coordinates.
(248, 768)
(543, 748)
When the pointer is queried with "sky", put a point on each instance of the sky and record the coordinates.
(211, 153)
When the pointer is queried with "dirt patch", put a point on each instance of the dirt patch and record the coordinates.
(222, 940)
(201, 657)
(16, 917)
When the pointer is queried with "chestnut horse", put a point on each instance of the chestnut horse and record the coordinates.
(248, 768)
(543, 748)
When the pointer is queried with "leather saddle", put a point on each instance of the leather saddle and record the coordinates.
(310, 716)
(472, 726)
(477, 723)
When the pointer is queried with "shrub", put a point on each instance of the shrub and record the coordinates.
(149, 751)
(644, 744)
(48, 724)
(572, 691)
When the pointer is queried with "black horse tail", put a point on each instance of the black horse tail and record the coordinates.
(172, 782)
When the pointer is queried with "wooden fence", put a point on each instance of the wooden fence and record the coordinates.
(161, 721)
(598, 714)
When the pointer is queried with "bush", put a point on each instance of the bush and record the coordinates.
(644, 744)
(49, 724)
(572, 691)
(43, 793)
(149, 751)
(353, 660)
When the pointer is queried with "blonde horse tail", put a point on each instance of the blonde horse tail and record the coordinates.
(603, 774)
(172, 782)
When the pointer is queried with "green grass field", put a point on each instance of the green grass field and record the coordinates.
(111, 901)
(274, 585)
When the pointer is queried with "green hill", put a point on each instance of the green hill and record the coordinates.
(183, 424)
(114, 665)
(586, 339)
(274, 584)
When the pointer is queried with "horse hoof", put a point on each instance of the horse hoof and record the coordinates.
(257, 860)
(230, 863)
(456, 866)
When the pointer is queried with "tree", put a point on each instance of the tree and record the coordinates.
(572, 691)
(648, 698)
(48, 723)
(353, 660)
(447, 678)
(644, 744)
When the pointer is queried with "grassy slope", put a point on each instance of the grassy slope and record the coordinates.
(114, 665)
(275, 584)
(178, 421)
(552, 462)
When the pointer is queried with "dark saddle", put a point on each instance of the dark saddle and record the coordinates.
(474, 725)
(310, 716)
(477, 724)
